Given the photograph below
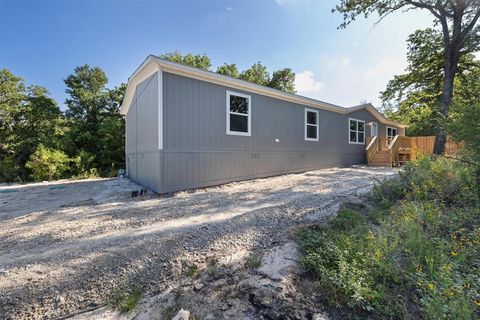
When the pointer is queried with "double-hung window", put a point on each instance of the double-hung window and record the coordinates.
(311, 125)
(356, 131)
(391, 133)
(238, 114)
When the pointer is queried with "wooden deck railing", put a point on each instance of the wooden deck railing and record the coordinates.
(372, 148)
(403, 148)
(400, 147)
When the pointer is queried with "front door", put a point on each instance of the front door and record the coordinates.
(374, 129)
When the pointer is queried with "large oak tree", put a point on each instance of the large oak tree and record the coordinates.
(458, 22)
(413, 97)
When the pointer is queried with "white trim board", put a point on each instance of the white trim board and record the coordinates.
(371, 129)
(160, 108)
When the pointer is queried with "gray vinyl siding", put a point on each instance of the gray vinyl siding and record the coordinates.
(142, 154)
(198, 152)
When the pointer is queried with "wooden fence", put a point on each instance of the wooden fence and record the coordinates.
(425, 145)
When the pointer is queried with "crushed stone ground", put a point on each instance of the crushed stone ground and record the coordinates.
(71, 245)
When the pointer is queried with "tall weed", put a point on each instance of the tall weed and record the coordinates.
(415, 253)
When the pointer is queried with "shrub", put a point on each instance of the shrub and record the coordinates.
(48, 164)
(442, 180)
(9, 169)
(418, 259)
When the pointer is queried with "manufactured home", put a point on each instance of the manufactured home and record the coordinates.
(188, 128)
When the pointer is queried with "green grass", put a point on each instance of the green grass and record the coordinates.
(412, 252)
(126, 301)
(254, 262)
(191, 271)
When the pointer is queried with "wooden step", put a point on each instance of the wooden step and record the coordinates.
(382, 156)
(381, 160)
(379, 164)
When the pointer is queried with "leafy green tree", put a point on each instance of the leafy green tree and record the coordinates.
(257, 73)
(112, 133)
(86, 108)
(48, 164)
(229, 70)
(413, 97)
(458, 22)
(12, 95)
(464, 121)
(39, 121)
(283, 80)
(201, 61)
(28, 117)
(96, 136)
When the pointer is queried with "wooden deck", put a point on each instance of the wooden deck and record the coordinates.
(386, 152)
(399, 150)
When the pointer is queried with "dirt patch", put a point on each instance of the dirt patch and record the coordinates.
(68, 249)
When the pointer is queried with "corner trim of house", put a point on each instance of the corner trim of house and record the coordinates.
(160, 108)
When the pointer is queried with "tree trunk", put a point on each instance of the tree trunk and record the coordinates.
(444, 107)
(452, 56)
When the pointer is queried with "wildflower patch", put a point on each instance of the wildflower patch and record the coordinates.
(412, 252)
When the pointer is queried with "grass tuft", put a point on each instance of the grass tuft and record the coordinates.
(191, 271)
(254, 262)
(126, 301)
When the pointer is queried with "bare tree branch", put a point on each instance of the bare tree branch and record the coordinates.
(472, 23)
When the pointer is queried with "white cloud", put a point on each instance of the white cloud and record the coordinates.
(229, 8)
(305, 84)
(385, 68)
(346, 82)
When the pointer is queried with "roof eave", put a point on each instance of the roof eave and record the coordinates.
(214, 77)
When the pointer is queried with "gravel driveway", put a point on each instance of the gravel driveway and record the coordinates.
(67, 246)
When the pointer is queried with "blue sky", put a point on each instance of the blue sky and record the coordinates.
(42, 41)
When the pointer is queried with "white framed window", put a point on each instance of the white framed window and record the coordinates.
(239, 110)
(356, 131)
(311, 125)
(391, 132)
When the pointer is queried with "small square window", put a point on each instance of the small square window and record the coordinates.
(238, 123)
(238, 104)
(311, 132)
(311, 117)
